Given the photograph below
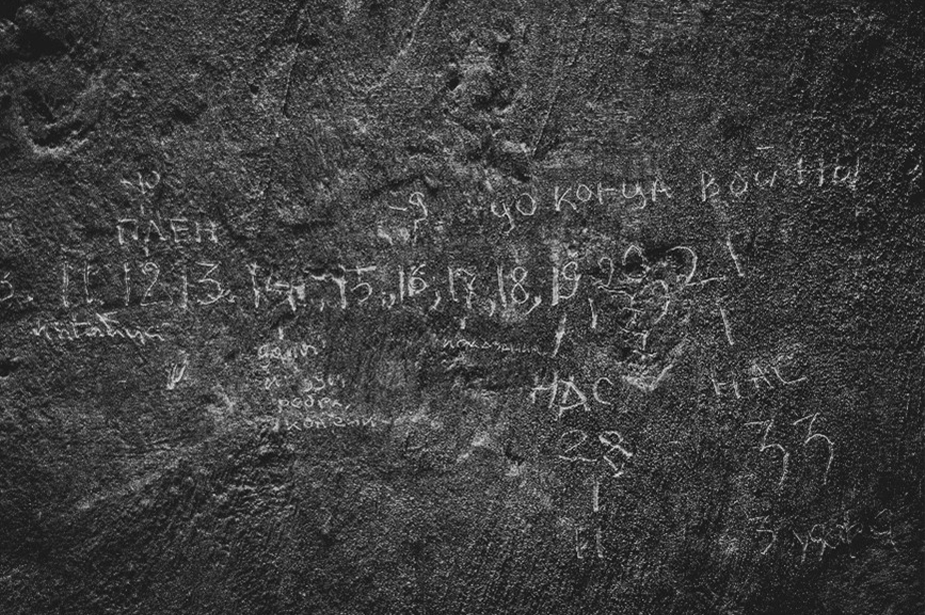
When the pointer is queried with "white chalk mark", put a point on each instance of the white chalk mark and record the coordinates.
(380, 232)
(667, 304)
(633, 248)
(11, 291)
(768, 425)
(64, 287)
(500, 275)
(560, 333)
(176, 372)
(404, 50)
(781, 378)
(915, 173)
(647, 383)
(555, 95)
(596, 392)
(583, 437)
(728, 327)
(578, 546)
(764, 521)
(735, 258)
(708, 280)
(689, 276)
(811, 435)
(417, 198)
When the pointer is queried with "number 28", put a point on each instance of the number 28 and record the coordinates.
(575, 445)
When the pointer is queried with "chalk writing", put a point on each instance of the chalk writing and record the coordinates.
(765, 446)
(460, 342)
(799, 173)
(6, 288)
(323, 421)
(173, 231)
(310, 401)
(287, 351)
(809, 539)
(609, 447)
(562, 199)
(102, 326)
(582, 544)
(762, 376)
(812, 436)
(176, 372)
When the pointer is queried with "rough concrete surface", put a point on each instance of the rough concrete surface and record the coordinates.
(461, 307)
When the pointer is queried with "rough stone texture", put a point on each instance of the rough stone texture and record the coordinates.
(636, 448)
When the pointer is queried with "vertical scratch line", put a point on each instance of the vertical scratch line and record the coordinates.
(735, 258)
(560, 333)
(404, 50)
(555, 94)
(593, 313)
(728, 327)
(298, 47)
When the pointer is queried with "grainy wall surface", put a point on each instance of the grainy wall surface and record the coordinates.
(461, 307)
